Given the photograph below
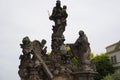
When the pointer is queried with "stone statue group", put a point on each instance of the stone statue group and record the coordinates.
(36, 64)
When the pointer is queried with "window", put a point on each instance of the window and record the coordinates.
(113, 59)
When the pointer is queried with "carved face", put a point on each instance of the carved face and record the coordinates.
(64, 7)
(43, 42)
(26, 40)
(81, 33)
(58, 4)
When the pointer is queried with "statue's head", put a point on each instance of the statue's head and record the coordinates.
(58, 3)
(43, 42)
(26, 40)
(64, 7)
(81, 32)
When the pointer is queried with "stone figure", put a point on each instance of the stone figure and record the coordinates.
(64, 15)
(38, 49)
(82, 42)
(59, 16)
(84, 51)
(39, 46)
(26, 45)
(56, 14)
(25, 58)
(32, 66)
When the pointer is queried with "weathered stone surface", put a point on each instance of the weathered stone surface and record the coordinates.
(59, 16)
(35, 64)
(84, 75)
(83, 55)
(32, 65)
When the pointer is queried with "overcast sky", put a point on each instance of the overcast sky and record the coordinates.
(99, 19)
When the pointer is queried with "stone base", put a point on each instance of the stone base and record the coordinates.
(84, 75)
(62, 77)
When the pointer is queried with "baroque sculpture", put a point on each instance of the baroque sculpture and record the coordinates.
(59, 16)
(36, 64)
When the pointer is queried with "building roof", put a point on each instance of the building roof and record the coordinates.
(117, 43)
(116, 48)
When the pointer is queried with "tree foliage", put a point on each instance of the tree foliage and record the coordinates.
(115, 76)
(91, 56)
(74, 61)
(103, 65)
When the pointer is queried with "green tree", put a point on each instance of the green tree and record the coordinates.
(92, 56)
(103, 65)
(115, 76)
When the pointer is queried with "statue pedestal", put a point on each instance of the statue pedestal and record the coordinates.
(84, 75)
(63, 77)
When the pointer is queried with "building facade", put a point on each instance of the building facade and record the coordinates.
(113, 52)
